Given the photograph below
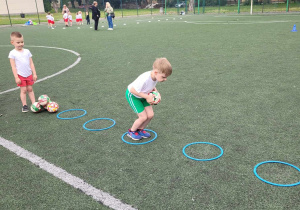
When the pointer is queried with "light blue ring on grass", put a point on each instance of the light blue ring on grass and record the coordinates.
(155, 136)
(273, 161)
(101, 129)
(71, 118)
(183, 151)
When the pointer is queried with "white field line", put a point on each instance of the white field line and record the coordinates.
(98, 195)
(214, 22)
(233, 22)
(55, 74)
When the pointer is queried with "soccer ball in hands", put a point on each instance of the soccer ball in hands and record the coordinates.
(156, 97)
(52, 106)
(43, 100)
(36, 107)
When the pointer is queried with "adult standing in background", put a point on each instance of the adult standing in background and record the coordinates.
(109, 11)
(65, 9)
(95, 14)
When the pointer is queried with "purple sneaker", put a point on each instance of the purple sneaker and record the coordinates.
(143, 133)
(134, 135)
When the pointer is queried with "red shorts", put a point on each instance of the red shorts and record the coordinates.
(52, 22)
(66, 20)
(77, 20)
(49, 21)
(26, 81)
(70, 20)
(80, 20)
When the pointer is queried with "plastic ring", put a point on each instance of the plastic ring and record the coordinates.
(61, 118)
(183, 150)
(101, 129)
(273, 161)
(141, 142)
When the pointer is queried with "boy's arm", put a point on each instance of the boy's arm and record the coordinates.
(149, 98)
(33, 70)
(14, 70)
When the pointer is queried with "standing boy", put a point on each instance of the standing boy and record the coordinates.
(139, 99)
(22, 68)
(70, 18)
(87, 18)
(65, 17)
(49, 19)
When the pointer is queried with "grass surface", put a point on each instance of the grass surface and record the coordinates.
(235, 83)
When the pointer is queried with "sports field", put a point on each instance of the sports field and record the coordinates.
(235, 83)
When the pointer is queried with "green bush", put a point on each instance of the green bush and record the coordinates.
(248, 2)
(47, 5)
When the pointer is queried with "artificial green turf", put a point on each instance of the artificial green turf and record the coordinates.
(234, 83)
(25, 186)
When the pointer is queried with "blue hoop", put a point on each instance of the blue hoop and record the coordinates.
(101, 129)
(183, 150)
(141, 142)
(61, 118)
(273, 161)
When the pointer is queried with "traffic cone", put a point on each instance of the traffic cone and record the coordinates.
(294, 28)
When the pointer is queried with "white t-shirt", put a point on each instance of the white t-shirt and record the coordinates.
(65, 16)
(52, 18)
(143, 84)
(77, 16)
(22, 60)
(70, 17)
(48, 17)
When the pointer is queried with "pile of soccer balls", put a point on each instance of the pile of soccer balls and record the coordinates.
(44, 103)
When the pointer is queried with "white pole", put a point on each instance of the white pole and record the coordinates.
(251, 7)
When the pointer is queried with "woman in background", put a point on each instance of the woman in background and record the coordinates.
(95, 14)
(109, 10)
(65, 9)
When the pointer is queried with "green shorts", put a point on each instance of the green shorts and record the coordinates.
(137, 104)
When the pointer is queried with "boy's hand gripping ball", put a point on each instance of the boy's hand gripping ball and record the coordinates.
(156, 97)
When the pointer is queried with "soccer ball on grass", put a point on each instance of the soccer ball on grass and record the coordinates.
(52, 106)
(35, 107)
(43, 100)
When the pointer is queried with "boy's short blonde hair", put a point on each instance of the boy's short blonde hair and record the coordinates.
(15, 34)
(163, 66)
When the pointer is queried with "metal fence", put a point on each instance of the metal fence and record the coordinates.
(124, 8)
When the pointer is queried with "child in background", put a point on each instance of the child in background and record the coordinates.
(65, 17)
(80, 18)
(70, 18)
(77, 18)
(52, 21)
(137, 95)
(49, 20)
(23, 68)
(87, 18)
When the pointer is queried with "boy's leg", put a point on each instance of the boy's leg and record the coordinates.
(142, 117)
(23, 95)
(149, 114)
(30, 94)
